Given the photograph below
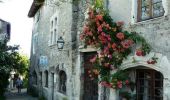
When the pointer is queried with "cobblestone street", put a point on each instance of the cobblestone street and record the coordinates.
(14, 95)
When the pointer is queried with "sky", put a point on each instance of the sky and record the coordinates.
(15, 12)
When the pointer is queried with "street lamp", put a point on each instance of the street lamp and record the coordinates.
(60, 43)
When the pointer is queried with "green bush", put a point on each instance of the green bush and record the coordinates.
(3, 82)
(65, 98)
(25, 83)
(42, 98)
(2, 98)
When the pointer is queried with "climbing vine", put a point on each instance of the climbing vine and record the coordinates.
(114, 44)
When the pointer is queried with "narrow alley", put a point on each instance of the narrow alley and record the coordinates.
(14, 95)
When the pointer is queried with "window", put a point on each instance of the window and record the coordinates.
(35, 43)
(62, 82)
(105, 92)
(149, 85)
(53, 29)
(51, 38)
(55, 20)
(55, 33)
(8, 30)
(41, 78)
(149, 9)
(46, 78)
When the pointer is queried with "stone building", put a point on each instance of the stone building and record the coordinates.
(5, 29)
(60, 74)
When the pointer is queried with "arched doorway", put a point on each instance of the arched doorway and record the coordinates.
(62, 82)
(148, 83)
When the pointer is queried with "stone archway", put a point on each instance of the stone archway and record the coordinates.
(147, 83)
(162, 66)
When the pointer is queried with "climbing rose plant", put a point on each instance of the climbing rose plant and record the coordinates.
(114, 45)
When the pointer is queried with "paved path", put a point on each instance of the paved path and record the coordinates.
(14, 95)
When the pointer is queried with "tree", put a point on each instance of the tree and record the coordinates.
(10, 60)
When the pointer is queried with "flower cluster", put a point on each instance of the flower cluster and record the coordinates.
(153, 60)
(115, 45)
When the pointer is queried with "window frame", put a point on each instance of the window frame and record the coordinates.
(152, 86)
(46, 78)
(151, 15)
(54, 29)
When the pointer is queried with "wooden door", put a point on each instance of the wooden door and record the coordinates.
(90, 86)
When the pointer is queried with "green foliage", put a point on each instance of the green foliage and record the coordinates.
(3, 81)
(2, 98)
(10, 60)
(126, 95)
(25, 82)
(42, 98)
(65, 98)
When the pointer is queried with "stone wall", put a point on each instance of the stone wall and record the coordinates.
(61, 59)
(70, 59)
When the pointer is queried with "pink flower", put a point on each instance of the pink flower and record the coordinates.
(107, 26)
(139, 53)
(102, 38)
(97, 23)
(89, 33)
(93, 59)
(119, 84)
(113, 45)
(108, 37)
(106, 84)
(109, 45)
(127, 82)
(120, 35)
(151, 62)
(99, 28)
(125, 44)
(99, 17)
(130, 42)
(85, 29)
(81, 36)
(106, 50)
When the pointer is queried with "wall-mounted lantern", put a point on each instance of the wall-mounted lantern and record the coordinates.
(60, 43)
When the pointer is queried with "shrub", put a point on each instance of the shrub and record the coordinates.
(42, 98)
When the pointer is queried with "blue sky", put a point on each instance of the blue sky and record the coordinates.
(15, 12)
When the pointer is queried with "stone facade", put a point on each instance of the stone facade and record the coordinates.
(5, 29)
(69, 18)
